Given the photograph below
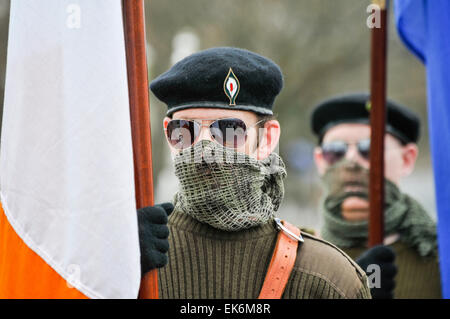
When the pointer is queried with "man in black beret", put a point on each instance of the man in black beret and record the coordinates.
(225, 241)
(342, 127)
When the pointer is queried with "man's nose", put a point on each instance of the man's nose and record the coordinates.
(352, 153)
(204, 133)
(354, 156)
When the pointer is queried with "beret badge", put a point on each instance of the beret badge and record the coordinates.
(231, 87)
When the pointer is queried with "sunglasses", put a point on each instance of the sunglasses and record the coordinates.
(336, 150)
(229, 132)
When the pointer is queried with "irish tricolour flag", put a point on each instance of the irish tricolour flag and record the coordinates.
(68, 224)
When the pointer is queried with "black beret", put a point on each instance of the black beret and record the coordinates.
(227, 78)
(353, 108)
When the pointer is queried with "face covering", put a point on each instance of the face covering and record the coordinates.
(228, 190)
(402, 214)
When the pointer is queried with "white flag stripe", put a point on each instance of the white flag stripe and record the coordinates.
(66, 165)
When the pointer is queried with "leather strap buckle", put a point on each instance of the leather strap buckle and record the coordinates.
(280, 226)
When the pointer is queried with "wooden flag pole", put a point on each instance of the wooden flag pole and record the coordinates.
(134, 25)
(377, 123)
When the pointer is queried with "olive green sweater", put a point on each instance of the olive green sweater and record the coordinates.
(417, 278)
(212, 264)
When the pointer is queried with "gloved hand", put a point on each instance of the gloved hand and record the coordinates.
(384, 257)
(153, 236)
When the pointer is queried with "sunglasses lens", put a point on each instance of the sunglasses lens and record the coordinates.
(229, 132)
(364, 149)
(334, 151)
(182, 133)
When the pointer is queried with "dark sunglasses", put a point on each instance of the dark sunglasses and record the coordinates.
(336, 150)
(229, 132)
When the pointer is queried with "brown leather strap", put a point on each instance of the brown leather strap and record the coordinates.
(281, 265)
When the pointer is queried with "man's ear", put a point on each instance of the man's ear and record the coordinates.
(166, 121)
(409, 156)
(269, 136)
(321, 164)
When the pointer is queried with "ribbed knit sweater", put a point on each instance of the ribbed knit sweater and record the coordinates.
(212, 264)
(417, 277)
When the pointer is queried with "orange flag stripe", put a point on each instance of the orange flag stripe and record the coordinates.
(25, 275)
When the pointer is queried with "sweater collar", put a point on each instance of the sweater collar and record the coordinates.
(184, 222)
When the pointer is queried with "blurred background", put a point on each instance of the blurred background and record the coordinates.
(323, 49)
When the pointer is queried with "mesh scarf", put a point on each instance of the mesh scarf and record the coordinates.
(402, 215)
(228, 190)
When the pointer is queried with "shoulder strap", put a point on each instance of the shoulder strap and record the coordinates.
(282, 261)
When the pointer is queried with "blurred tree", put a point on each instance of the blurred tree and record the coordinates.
(4, 21)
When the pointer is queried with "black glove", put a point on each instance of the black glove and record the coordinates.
(384, 257)
(153, 236)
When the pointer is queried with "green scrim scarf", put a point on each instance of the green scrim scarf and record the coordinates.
(402, 215)
(228, 190)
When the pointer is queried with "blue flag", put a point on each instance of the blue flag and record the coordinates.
(423, 26)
